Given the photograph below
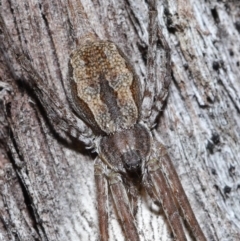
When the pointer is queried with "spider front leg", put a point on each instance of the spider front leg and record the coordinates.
(168, 188)
(122, 205)
(165, 196)
(180, 195)
(120, 199)
(102, 198)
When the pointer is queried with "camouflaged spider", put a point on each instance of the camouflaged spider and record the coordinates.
(118, 124)
(105, 93)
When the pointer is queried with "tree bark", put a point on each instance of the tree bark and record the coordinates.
(47, 186)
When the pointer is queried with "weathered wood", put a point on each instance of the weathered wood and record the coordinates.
(47, 186)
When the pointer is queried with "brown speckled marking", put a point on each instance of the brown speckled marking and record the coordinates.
(103, 84)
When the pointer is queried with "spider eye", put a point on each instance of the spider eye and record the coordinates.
(129, 165)
(132, 161)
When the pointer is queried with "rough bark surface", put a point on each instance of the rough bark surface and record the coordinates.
(47, 186)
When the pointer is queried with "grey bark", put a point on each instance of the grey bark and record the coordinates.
(47, 186)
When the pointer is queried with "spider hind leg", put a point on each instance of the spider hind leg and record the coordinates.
(158, 77)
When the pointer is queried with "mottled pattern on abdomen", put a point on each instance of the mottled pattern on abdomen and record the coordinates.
(105, 85)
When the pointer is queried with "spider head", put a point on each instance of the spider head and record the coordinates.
(132, 161)
(127, 150)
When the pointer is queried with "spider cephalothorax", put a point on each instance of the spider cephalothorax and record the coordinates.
(129, 149)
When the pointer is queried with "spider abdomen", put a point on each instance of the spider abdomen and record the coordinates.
(104, 87)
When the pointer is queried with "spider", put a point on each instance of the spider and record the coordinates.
(105, 93)
(118, 123)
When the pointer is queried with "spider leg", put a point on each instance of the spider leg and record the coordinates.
(61, 119)
(133, 193)
(102, 199)
(165, 197)
(155, 92)
(150, 81)
(180, 195)
(66, 125)
(147, 184)
(162, 90)
(122, 204)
